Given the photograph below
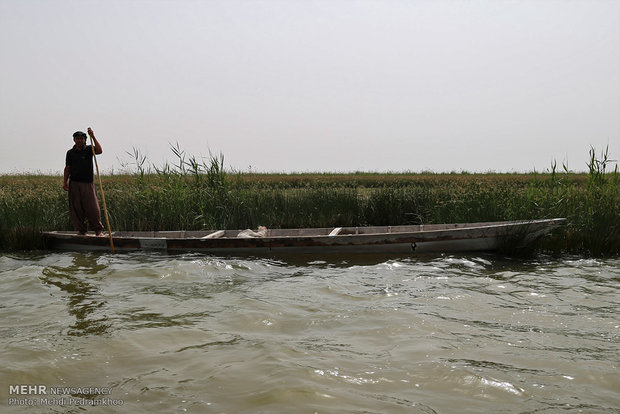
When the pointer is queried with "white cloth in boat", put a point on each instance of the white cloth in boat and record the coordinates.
(248, 233)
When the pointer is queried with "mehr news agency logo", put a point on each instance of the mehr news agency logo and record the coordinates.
(42, 395)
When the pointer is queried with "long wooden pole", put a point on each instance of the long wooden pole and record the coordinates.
(105, 208)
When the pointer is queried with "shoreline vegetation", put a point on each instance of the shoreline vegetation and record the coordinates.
(197, 193)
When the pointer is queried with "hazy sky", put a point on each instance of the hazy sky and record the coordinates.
(312, 85)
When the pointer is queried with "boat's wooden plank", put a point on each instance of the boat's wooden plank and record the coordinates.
(215, 235)
(178, 234)
(335, 231)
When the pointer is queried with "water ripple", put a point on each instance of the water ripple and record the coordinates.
(212, 334)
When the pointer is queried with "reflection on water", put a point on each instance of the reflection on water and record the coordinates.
(84, 300)
(193, 333)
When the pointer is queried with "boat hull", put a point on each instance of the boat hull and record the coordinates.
(364, 240)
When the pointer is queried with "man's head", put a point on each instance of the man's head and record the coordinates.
(79, 138)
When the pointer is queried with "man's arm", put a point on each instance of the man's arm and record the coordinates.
(65, 184)
(98, 149)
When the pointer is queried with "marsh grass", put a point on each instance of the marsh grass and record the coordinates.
(193, 193)
(27, 205)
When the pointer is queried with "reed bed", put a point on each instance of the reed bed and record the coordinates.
(192, 195)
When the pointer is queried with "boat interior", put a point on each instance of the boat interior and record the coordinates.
(306, 232)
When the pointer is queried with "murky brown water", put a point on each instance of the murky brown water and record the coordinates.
(198, 334)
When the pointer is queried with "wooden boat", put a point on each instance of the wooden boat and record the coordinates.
(378, 239)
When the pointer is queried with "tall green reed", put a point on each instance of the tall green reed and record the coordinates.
(27, 209)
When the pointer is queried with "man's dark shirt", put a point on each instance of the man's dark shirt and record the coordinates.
(81, 164)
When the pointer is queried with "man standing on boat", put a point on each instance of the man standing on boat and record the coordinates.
(78, 181)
